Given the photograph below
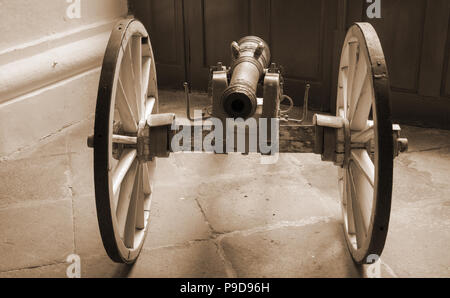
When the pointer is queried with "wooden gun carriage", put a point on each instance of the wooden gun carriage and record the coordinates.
(130, 135)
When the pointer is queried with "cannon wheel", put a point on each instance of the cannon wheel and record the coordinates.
(365, 180)
(127, 95)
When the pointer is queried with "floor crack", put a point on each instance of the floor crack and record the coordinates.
(12, 155)
(205, 218)
(278, 225)
(229, 269)
(33, 267)
(217, 237)
(429, 149)
(69, 183)
(389, 269)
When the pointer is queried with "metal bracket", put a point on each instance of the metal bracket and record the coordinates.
(400, 144)
(154, 137)
(188, 105)
(305, 107)
(334, 139)
(219, 85)
(272, 91)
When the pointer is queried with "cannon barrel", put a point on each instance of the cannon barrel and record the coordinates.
(250, 57)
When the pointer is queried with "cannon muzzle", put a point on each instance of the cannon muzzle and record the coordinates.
(250, 56)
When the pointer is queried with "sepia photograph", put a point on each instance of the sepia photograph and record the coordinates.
(223, 146)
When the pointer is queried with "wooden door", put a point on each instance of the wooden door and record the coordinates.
(164, 23)
(306, 37)
(300, 34)
(415, 36)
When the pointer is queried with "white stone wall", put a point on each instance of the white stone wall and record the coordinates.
(50, 65)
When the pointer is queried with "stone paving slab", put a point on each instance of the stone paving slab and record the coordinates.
(101, 266)
(246, 202)
(175, 219)
(419, 237)
(312, 248)
(36, 235)
(220, 215)
(195, 260)
(88, 241)
(82, 173)
(33, 179)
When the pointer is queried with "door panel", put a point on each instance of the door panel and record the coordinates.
(303, 34)
(297, 38)
(446, 78)
(401, 30)
(211, 27)
(434, 48)
(299, 33)
(415, 38)
(223, 22)
(164, 22)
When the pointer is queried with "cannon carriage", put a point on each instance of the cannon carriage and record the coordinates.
(130, 135)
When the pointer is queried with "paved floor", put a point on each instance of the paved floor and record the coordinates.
(220, 216)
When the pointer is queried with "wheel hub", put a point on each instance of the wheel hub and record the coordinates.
(154, 137)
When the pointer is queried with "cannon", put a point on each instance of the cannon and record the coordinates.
(251, 57)
(130, 135)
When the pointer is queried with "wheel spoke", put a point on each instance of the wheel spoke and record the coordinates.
(362, 160)
(352, 57)
(127, 117)
(149, 107)
(342, 83)
(364, 136)
(360, 77)
(344, 91)
(362, 106)
(364, 192)
(124, 165)
(130, 224)
(348, 203)
(137, 70)
(148, 173)
(140, 210)
(147, 63)
(360, 225)
(128, 80)
(124, 196)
